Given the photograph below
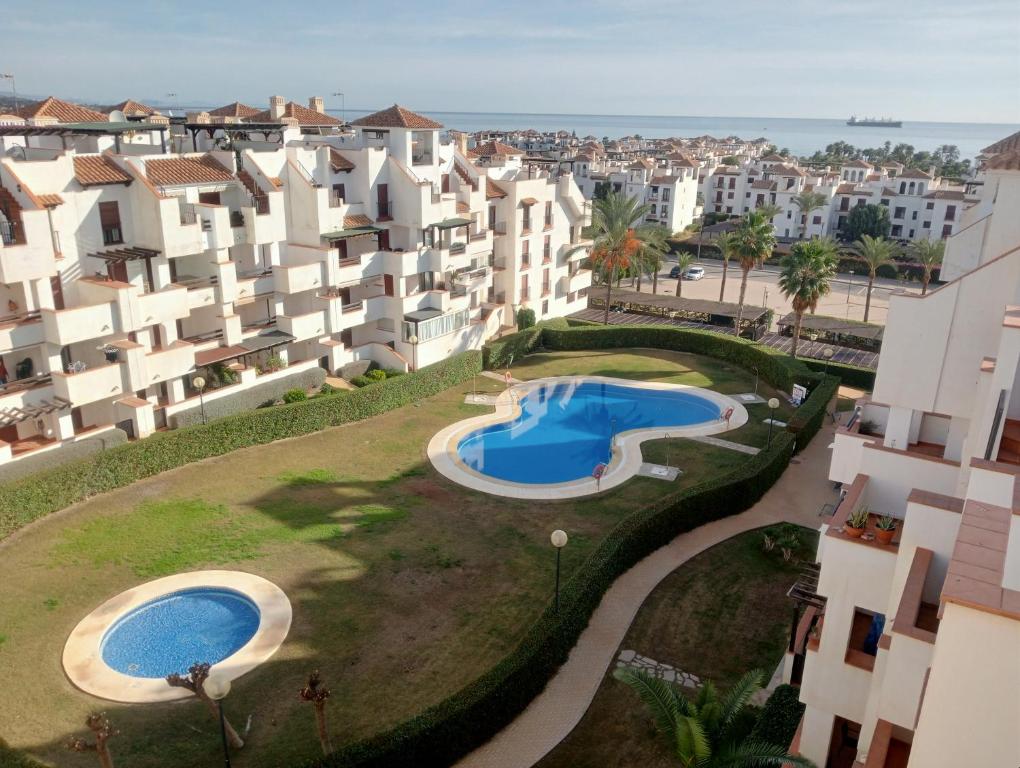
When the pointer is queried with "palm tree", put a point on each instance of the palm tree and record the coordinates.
(769, 210)
(707, 732)
(929, 254)
(727, 245)
(317, 693)
(875, 252)
(755, 238)
(654, 247)
(805, 278)
(194, 681)
(807, 201)
(617, 245)
(103, 732)
(683, 261)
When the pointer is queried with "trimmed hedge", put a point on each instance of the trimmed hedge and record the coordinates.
(247, 399)
(441, 734)
(777, 368)
(29, 465)
(808, 419)
(780, 717)
(29, 498)
(851, 375)
(497, 354)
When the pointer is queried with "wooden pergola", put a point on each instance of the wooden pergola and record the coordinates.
(835, 330)
(753, 322)
(12, 416)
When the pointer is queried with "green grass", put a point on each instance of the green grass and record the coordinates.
(404, 586)
(721, 613)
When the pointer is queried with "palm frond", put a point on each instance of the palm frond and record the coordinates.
(691, 741)
(738, 696)
(756, 754)
(658, 696)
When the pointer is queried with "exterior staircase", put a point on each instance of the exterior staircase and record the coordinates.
(258, 196)
(464, 176)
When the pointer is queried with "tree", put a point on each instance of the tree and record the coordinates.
(727, 245)
(805, 276)
(870, 220)
(656, 246)
(617, 246)
(683, 261)
(806, 202)
(755, 238)
(103, 731)
(929, 253)
(730, 160)
(525, 318)
(769, 210)
(874, 252)
(711, 731)
(195, 682)
(317, 693)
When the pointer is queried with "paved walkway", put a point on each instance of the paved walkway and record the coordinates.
(797, 498)
(718, 442)
(806, 348)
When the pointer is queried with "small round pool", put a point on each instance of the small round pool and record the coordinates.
(565, 428)
(171, 632)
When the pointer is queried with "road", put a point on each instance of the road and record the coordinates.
(846, 300)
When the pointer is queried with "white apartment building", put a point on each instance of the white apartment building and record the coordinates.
(910, 652)
(287, 243)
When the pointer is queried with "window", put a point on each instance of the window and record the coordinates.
(545, 308)
(109, 220)
(885, 201)
(929, 206)
(665, 194)
(900, 212)
(526, 219)
(729, 209)
(435, 327)
(950, 212)
(548, 215)
(816, 220)
(665, 211)
(747, 195)
(926, 225)
(525, 253)
(910, 233)
(729, 195)
(865, 631)
(338, 195)
(653, 209)
(913, 215)
(733, 183)
(789, 214)
(524, 288)
(947, 230)
(844, 204)
(897, 231)
(547, 249)
(903, 187)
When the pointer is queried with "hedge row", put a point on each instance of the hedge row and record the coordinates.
(441, 734)
(27, 499)
(851, 375)
(499, 353)
(777, 368)
(808, 419)
(780, 717)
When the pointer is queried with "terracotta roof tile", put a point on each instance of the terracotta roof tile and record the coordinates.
(357, 220)
(763, 184)
(295, 111)
(338, 162)
(174, 171)
(237, 109)
(1007, 144)
(845, 189)
(493, 190)
(857, 164)
(397, 117)
(665, 180)
(133, 108)
(61, 111)
(1005, 161)
(946, 194)
(463, 207)
(914, 173)
(493, 148)
(92, 170)
(787, 170)
(51, 201)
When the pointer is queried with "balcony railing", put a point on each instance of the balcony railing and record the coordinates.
(525, 294)
(546, 289)
(354, 306)
(112, 236)
(10, 233)
(385, 209)
(236, 219)
(548, 222)
(335, 199)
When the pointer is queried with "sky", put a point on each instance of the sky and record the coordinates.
(939, 60)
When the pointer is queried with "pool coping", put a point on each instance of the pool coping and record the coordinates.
(83, 661)
(626, 461)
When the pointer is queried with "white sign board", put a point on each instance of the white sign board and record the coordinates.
(799, 394)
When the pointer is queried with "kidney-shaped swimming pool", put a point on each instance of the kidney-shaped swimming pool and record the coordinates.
(565, 428)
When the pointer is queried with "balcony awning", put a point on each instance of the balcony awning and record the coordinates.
(266, 340)
(11, 416)
(452, 223)
(346, 234)
(125, 254)
(422, 315)
(258, 343)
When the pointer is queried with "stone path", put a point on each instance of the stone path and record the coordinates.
(718, 442)
(796, 498)
(667, 672)
(499, 377)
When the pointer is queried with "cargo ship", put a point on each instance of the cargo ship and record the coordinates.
(871, 122)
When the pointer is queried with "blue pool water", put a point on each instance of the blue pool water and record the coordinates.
(564, 429)
(172, 632)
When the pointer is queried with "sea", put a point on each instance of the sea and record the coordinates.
(802, 136)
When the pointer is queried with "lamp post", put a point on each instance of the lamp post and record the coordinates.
(199, 383)
(849, 286)
(217, 687)
(14, 88)
(827, 353)
(559, 541)
(413, 341)
(343, 108)
(755, 369)
(773, 404)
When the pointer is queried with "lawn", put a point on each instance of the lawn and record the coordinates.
(405, 586)
(723, 612)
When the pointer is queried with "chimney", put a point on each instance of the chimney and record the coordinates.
(276, 107)
(316, 103)
(460, 140)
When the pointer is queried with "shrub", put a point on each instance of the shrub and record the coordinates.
(525, 318)
(441, 734)
(361, 381)
(851, 375)
(29, 498)
(376, 374)
(327, 389)
(391, 372)
(779, 718)
(272, 365)
(808, 419)
(499, 353)
(294, 396)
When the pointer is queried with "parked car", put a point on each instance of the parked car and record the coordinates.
(674, 273)
(694, 273)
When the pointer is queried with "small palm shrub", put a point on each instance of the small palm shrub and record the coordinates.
(294, 396)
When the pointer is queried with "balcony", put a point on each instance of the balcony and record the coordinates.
(11, 233)
(90, 385)
(311, 325)
(169, 362)
(164, 306)
(298, 278)
(66, 326)
(576, 281)
(21, 330)
(385, 211)
(473, 280)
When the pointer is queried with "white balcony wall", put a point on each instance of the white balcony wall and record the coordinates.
(298, 278)
(23, 334)
(34, 259)
(90, 321)
(311, 325)
(92, 385)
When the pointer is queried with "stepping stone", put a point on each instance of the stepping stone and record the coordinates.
(659, 471)
(669, 675)
(749, 398)
(627, 655)
(775, 422)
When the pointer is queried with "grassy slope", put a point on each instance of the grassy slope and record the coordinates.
(404, 585)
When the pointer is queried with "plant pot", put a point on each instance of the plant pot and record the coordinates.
(883, 536)
(853, 533)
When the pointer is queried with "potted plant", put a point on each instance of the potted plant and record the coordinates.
(884, 529)
(855, 523)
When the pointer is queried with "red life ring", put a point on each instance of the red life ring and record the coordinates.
(508, 378)
(599, 471)
(726, 415)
